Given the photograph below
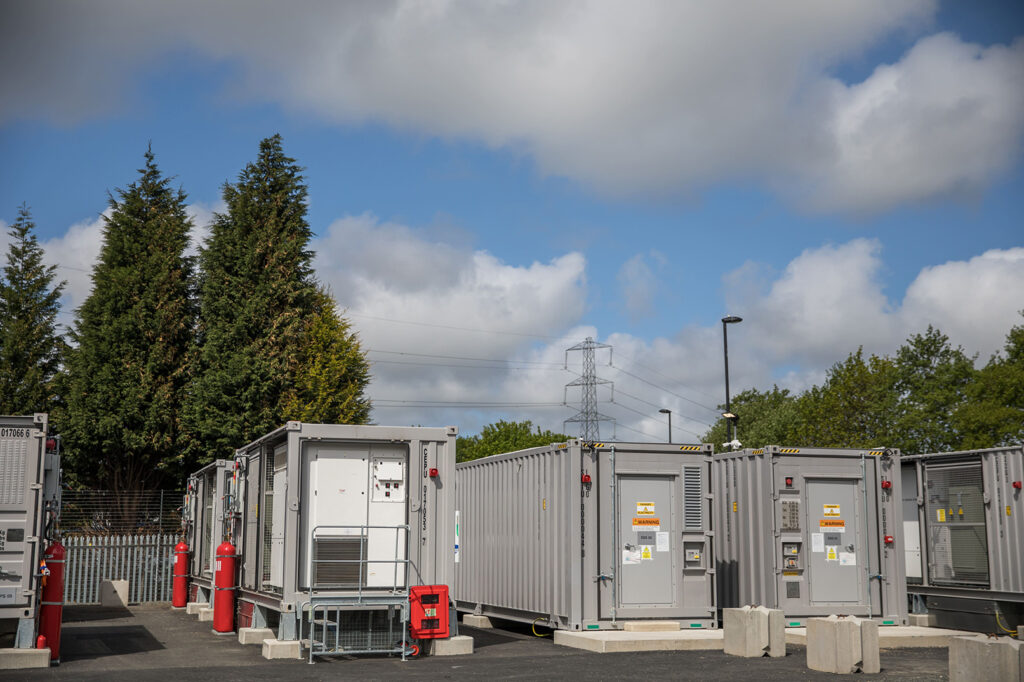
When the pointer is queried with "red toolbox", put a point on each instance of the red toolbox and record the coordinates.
(428, 611)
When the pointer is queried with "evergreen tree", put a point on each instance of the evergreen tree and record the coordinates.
(30, 347)
(270, 344)
(768, 418)
(127, 374)
(504, 436)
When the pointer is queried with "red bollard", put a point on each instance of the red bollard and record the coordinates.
(52, 608)
(179, 594)
(224, 589)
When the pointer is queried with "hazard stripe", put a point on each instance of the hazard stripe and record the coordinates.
(691, 448)
(789, 451)
(759, 452)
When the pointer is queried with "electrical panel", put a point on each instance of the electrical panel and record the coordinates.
(388, 480)
(791, 516)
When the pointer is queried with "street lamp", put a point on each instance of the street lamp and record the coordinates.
(731, 422)
(669, 413)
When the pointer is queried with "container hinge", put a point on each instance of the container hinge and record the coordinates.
(601, 576)
(986, 498)
(38, 486)
(710, 571)
(709, 533)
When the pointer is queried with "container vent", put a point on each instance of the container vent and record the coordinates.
(339, 562)
(13, 453)
(957, 541)
(693, 494)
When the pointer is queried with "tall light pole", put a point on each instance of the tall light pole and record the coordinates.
(731, 418)
(669, 413)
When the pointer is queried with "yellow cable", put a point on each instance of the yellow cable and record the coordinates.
(533, 626)
(1013, 633)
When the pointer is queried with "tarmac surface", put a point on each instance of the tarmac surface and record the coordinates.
(151, 642)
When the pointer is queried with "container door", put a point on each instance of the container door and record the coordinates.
(955, 519)
(647, 549)
(837, 563)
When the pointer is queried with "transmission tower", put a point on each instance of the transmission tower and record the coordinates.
(588, 417)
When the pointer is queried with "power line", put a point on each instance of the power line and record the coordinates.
(588, 417)
(650, 369)
(662, 388)
(445, 364)
(647, 416)
(454, 403)
(646, 402)
(445, 326)
(461, 357)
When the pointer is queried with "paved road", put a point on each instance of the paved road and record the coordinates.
(153, 643)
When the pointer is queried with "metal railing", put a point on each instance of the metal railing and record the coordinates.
(336, 624)
(145, 561)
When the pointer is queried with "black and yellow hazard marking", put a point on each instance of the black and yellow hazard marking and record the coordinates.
(790, 451)
(691, 448)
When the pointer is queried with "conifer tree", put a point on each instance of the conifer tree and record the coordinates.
(128, 370)
(270, 345)
(30, 347)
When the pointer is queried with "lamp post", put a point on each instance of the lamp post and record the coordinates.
(669, 413)
(731, 422)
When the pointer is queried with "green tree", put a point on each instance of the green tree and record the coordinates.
(765, 418)
(853, 408)
(270, 345)
(128, 371)
(332, 372)
(993, 413)
(503, 437)
(30, 347)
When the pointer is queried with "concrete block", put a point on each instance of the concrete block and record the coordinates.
(460, 645)
(205, 614)
(192, 608)
(281, 648)
(651, 626)
(923, 620)
(254, 635)
(843, 645)
(617, 641)
(20, 659)
(752, 632)
(113, 593)
(983, 659)
(482, 622)
(1020, 633)
(870, 660)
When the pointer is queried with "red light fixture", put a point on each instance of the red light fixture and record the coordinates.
(433, 473)
(585, 478)
(889, 539)
(789, 481)
(886, 484)
(1016, 484)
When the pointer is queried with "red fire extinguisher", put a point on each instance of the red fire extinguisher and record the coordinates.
(52, 607)
(224, 589)
(179, 594)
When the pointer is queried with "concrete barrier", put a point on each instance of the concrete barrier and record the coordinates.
(842, 645)
(753, 632)
(254, 635)
(459, 645)
(277, 648)
(482, 622)
(113, 593)
(985, 659)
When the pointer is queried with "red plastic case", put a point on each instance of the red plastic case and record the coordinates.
(428, 611)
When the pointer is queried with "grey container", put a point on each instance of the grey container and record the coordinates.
(538, 542)
(965, 515)
(335, 513)
(29, 506)
(810, 531)
(206, 503)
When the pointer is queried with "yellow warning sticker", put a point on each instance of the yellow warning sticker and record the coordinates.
(790, 573)
(832, 510)
(645, 509)
(941, 513)
(645, 553)
(832, 555)
(1008, 510)
(735, 506)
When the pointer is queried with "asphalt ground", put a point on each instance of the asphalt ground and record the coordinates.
(152, 642)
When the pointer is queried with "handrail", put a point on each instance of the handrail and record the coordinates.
(398, 529)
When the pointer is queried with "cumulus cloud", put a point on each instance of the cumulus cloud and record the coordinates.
(639, 284)
(637, 99)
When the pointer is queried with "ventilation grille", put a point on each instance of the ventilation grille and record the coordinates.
(268, 516)
(957, 541)
(339, 562)
(13, 453)
(693, 498)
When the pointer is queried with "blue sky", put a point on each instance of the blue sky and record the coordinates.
(497, 182)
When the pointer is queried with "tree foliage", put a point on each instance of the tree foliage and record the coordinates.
(993, 412)
(270, 345)
(764, 417)
(127, 373)
(30, 347)
(504, 436)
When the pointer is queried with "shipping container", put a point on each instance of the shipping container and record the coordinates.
(965, 515)
(29, 510)
(583, 536)
(337, 522)
(810, 531)
(206, 503)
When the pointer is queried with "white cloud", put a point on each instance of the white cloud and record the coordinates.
(639, 285)
(653, 98)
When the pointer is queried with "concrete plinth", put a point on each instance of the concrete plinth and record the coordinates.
(205, 613)
(192, 608)
(20, 659)
(612, 641)
(842, 645)
(280, 648)
(898, 637)
(753, 632)
(482, 622)
(254, 635)
(923, 620)
(113, 593)
(460, 645)
(651, 626)
(983, 659)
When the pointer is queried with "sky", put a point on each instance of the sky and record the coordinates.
(492, 183)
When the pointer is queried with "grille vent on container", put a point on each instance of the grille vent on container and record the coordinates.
(692, 498)
(349, 554)
(13, 453)
(957, 540)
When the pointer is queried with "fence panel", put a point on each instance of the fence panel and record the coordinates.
(144, 560)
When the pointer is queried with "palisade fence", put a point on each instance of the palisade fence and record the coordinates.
(119, 536)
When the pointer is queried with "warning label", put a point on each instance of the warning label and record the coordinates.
(645, 509)
(941, 513)
(645, 553)
(646, 523)
(832, 554)
(833, 525)
(735, 506)
(832, 510)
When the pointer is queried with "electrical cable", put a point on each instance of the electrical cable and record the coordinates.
(662, 388)
(533, 626)
(559, 365)
(445, 326)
